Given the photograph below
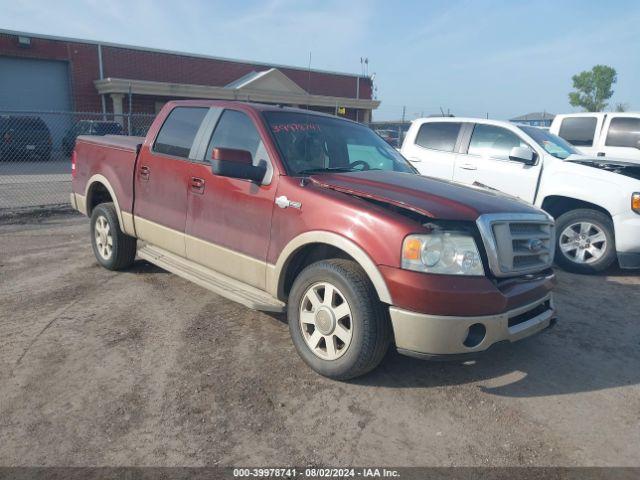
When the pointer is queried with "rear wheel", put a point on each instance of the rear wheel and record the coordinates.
(336, 321)
(113, 249)
(585, 241)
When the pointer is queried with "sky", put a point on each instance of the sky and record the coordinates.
(472, 58)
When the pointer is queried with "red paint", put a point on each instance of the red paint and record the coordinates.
(241, 215)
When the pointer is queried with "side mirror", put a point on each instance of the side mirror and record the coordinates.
(234, 163)
(522, 154)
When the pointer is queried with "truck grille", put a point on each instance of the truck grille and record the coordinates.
(517, 244)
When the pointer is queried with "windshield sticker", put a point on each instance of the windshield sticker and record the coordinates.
(295, 127)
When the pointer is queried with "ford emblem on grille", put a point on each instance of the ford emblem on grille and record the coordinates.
(535, 245)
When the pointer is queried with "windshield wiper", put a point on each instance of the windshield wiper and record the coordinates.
(326, 169)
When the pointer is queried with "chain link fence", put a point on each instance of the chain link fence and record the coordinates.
(36, 147)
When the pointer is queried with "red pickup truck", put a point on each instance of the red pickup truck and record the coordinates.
(290, 210)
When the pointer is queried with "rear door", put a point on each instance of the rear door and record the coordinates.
(621, 137)
(162, 177)
(486, 163)
(432, 150)
(229, 219)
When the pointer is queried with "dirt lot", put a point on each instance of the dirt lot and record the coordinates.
(144, 368)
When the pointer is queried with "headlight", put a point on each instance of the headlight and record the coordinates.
(635, 202)
(449, 253)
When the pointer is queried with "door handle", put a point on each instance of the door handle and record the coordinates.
(414, 159)
(144, 172)
(601, 154)
(469, 166)
(197, 185)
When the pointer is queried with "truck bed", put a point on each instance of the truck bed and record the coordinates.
(112, 141)
(112, 157)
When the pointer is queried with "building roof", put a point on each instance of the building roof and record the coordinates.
(533, 117)
(170, 52)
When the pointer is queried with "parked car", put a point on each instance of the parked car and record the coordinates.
(286, 209)
(614, 135)
(389, 136)
(89, 127)
(595, 201)
(24, 138)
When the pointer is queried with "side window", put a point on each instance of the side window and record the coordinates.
(179, 130)
(438, 135)
(235, 130)
(494, 142)
(624, 132)
(578, 131)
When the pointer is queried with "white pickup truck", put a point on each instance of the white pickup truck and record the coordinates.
(615, 135)
(595, 201)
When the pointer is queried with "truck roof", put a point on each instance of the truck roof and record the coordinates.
(260, 107)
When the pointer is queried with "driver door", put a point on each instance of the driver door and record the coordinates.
(486, 163)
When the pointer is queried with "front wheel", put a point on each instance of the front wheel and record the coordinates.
(113, 249)
(585, 241)
(336, 321)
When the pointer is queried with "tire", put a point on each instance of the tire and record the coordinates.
(113, 249)
(360, 339)
(576, 250)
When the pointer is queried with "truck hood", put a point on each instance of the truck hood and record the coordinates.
(622, 167)
(434, 198)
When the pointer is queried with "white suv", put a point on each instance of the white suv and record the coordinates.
(595, 201)
(614, 135)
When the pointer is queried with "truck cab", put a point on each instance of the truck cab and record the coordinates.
(611, 134)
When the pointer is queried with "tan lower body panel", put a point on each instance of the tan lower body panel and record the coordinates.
(234, 264)
(163, 237)
(223, 260)
(79, 203)
(445, 335)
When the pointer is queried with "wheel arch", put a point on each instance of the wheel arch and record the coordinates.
(97, 185)
(313, 246)
(557, 205)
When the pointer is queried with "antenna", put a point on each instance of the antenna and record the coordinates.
(309, 81)
(442, 111)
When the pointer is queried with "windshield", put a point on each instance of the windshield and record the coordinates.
(552, 144)
(314, 144)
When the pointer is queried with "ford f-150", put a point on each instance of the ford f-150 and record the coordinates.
(290, 210)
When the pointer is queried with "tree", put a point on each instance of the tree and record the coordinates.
(621, 107)
(593, 88)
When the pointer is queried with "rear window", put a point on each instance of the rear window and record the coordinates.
(579, 131)
(179, 130)
(624, 132)
(438, 135)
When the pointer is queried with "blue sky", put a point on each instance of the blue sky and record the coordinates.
(504, 58)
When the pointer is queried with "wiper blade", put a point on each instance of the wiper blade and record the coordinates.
(327, 169)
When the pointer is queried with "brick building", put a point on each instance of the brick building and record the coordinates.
(39, 72)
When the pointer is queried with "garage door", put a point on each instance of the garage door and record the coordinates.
(40, 86)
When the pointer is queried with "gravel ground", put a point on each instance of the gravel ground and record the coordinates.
(144, 368)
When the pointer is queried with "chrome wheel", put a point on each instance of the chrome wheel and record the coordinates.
(104, 240)
(325, 321)
(583, 242)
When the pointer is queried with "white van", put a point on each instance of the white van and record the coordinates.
(615, 135)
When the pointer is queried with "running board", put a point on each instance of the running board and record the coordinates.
(211, 280)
